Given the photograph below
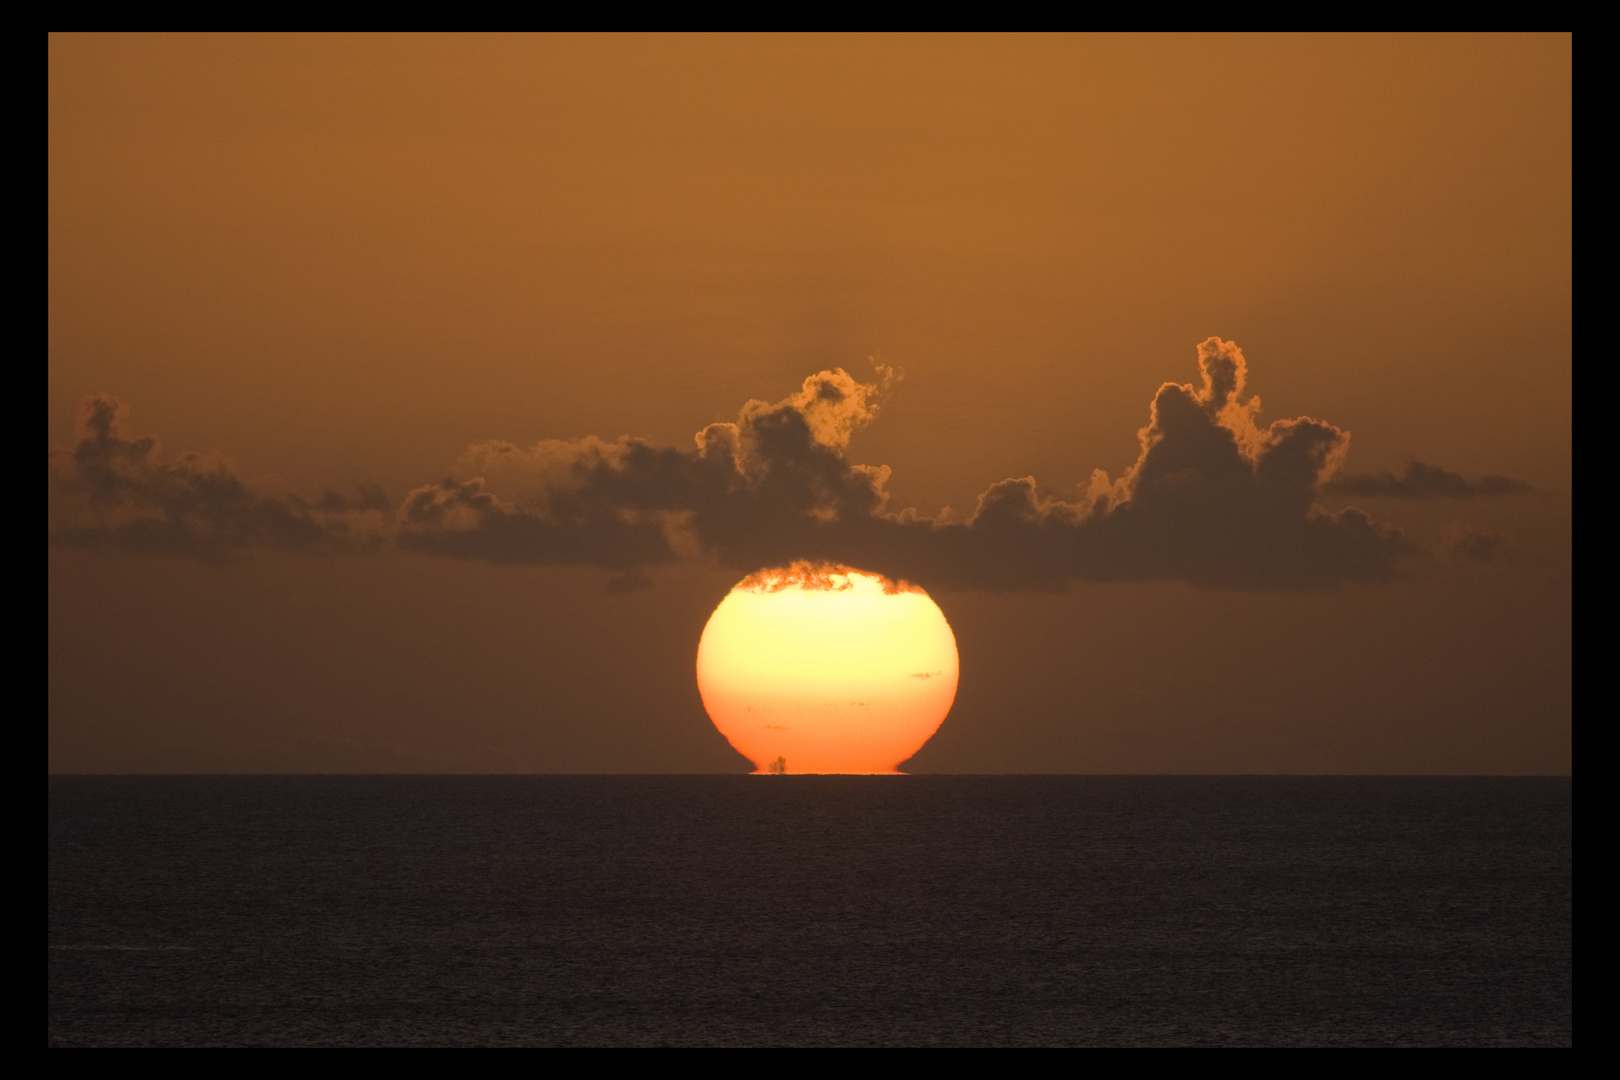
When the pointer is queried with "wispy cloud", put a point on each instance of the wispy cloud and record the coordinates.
(1421, 481)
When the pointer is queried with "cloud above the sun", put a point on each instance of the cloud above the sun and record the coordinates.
(1214, 498)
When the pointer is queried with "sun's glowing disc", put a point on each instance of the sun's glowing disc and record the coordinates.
(826, 669)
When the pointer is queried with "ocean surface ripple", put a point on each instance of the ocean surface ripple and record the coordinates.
(807, 911)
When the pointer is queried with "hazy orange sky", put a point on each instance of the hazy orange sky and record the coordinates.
(341, 262)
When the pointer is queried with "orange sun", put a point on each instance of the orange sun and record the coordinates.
(826, 669)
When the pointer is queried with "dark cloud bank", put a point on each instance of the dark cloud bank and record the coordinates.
(1213, 499)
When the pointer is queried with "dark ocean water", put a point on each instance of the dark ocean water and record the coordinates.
(924, 910)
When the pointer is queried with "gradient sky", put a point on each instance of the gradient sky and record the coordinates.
(338, 263)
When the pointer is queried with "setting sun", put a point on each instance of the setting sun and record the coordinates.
(826, 669)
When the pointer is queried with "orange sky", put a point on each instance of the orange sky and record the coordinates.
(345, 260)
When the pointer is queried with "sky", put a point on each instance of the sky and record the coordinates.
(413, 400)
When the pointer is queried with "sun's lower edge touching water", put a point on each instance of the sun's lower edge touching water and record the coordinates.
(820, 668)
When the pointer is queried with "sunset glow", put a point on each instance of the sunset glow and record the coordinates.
(826, 670)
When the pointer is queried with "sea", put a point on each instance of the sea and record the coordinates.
(809, 911)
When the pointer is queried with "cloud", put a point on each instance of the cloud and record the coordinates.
(750, 487)
(1213, 498)
(122, 494)
(1421, 481)
(1473, 543)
